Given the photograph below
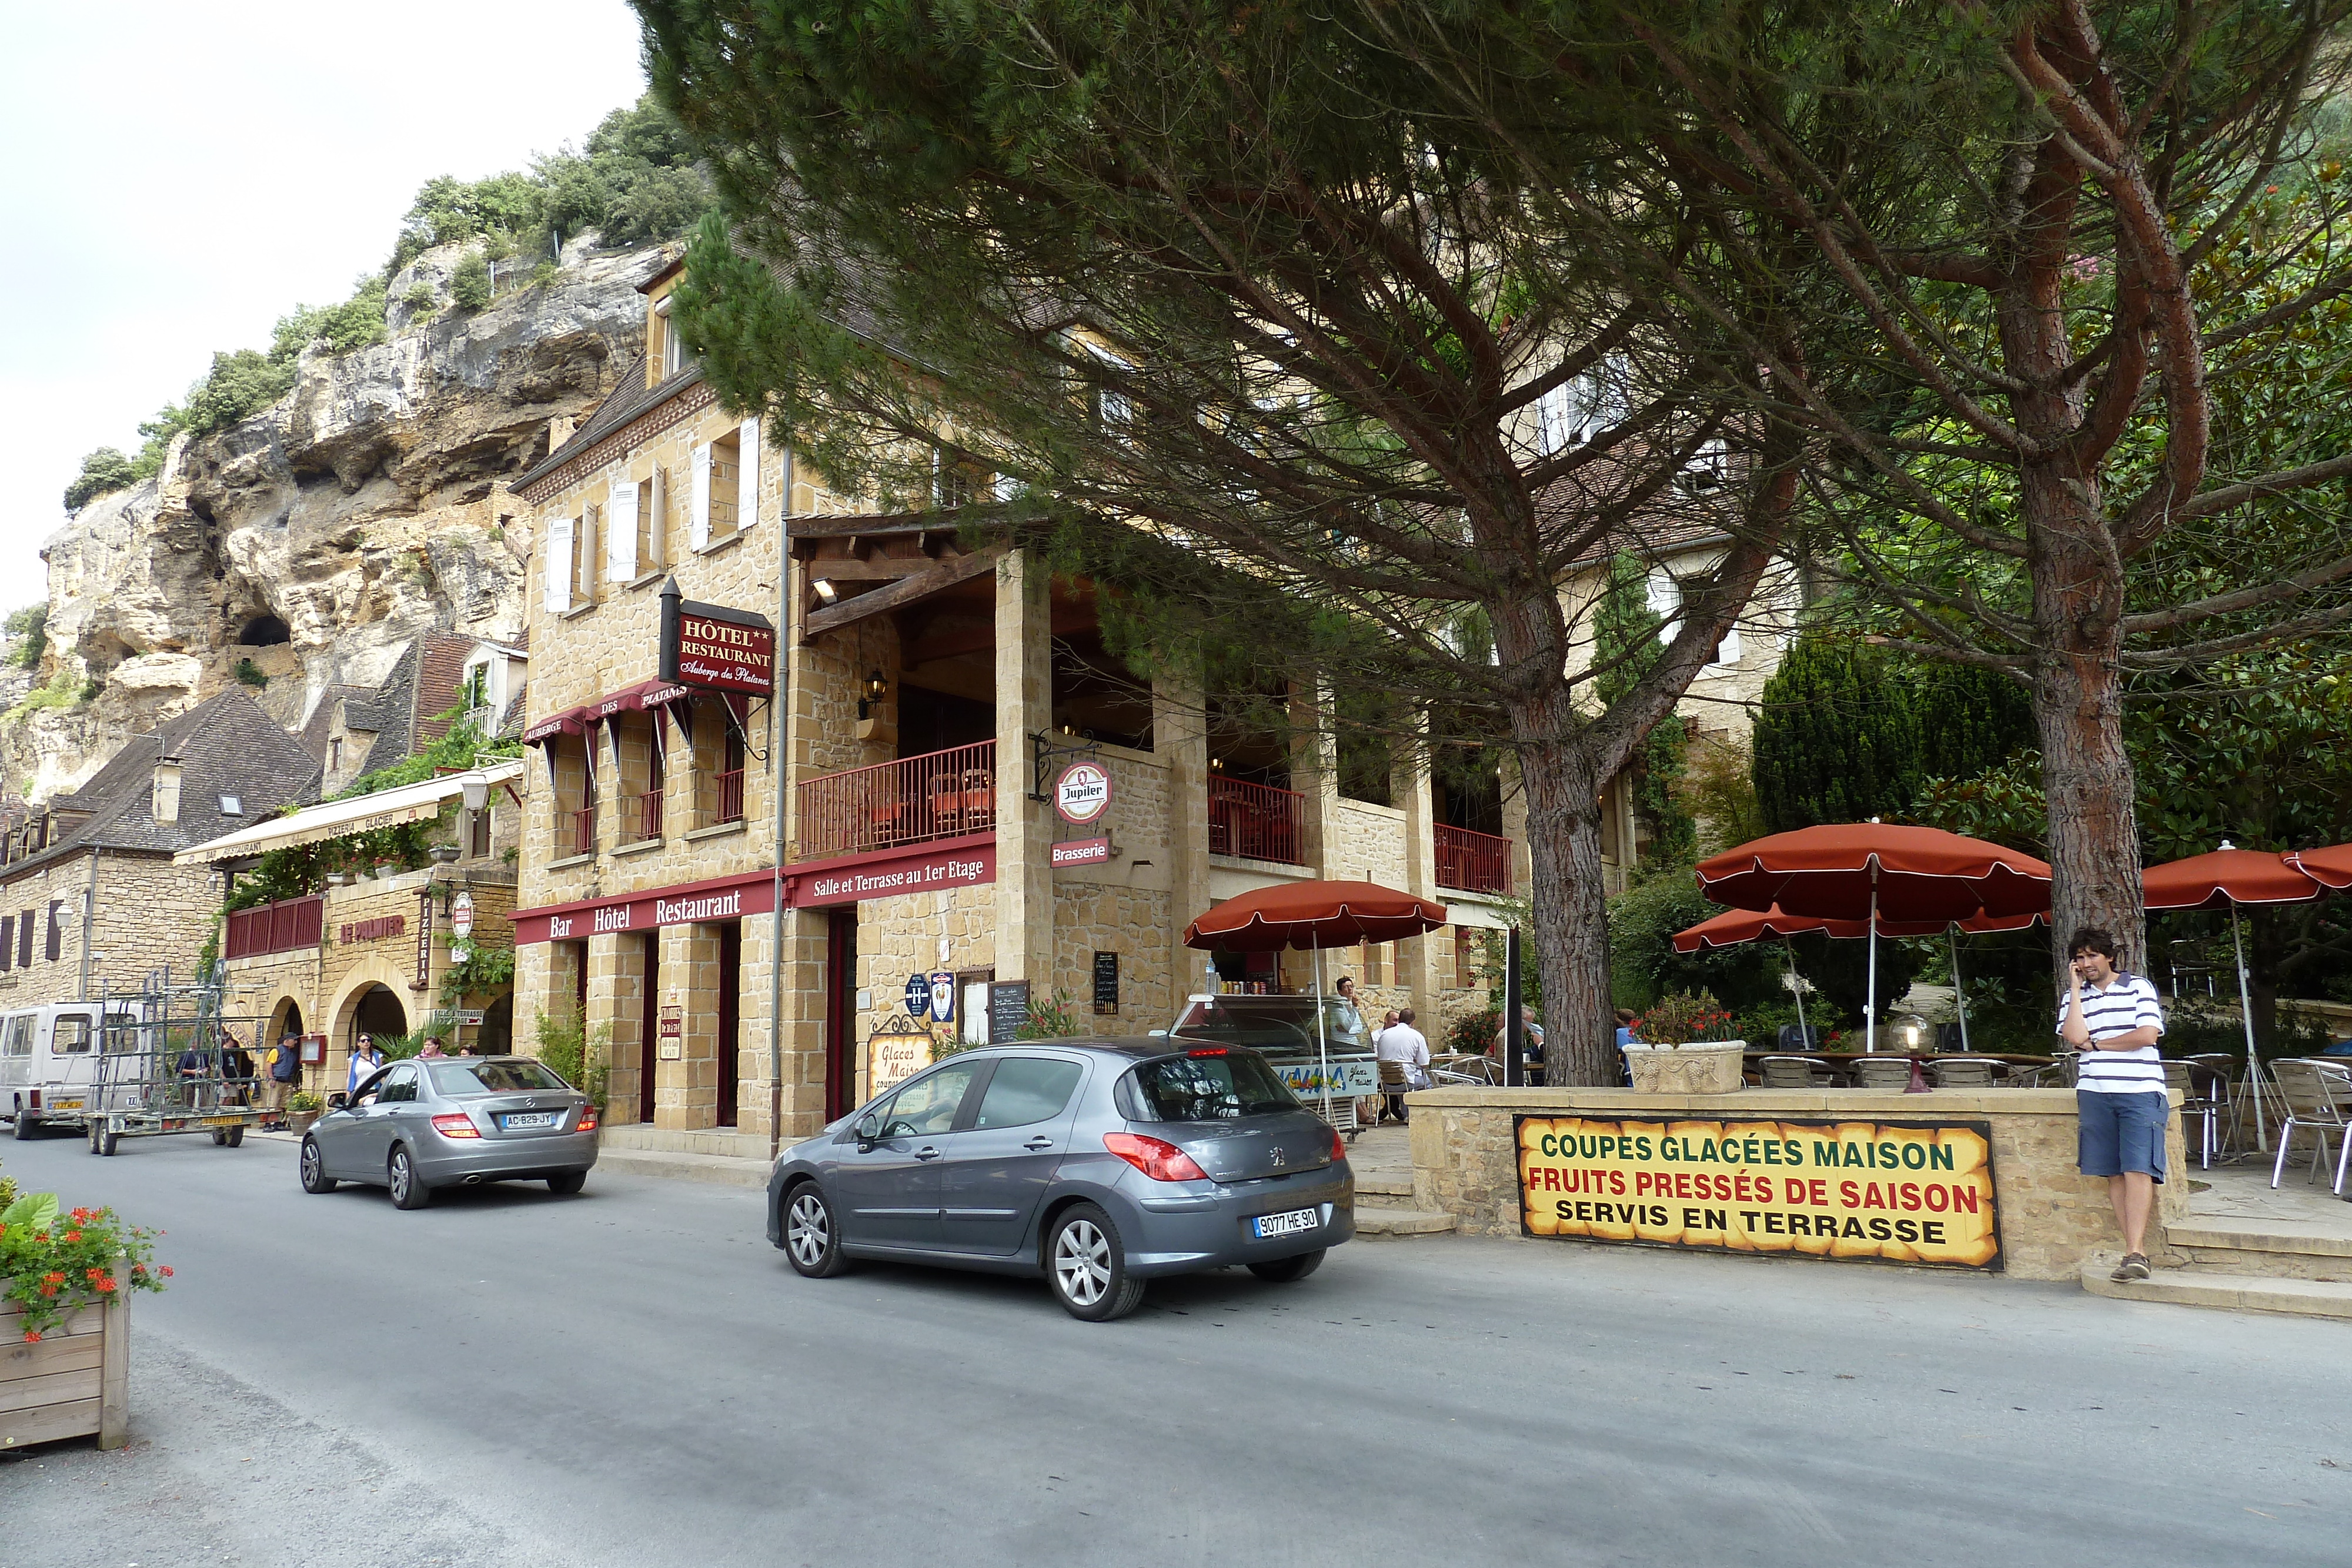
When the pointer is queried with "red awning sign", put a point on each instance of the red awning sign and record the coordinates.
(570, 721)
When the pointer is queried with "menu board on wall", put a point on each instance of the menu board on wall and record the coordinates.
(1105, 985)
(1008, 1010)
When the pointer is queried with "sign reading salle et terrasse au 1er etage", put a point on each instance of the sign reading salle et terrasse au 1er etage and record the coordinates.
(715, 648)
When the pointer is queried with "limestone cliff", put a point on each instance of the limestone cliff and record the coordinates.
(319, 536)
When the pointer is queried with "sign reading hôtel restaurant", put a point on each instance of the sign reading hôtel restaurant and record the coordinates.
(715, 648)
(1909, 1192)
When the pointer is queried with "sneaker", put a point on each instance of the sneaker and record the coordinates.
(2133, 1268)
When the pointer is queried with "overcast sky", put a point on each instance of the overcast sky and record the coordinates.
(179, 176)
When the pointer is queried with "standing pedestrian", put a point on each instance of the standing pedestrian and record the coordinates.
(2114, 1019)
(284, 1071)
(365, 1059)
(236, 1071)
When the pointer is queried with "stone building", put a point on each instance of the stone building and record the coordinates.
(735, 887)
(92, 897)
(385, 950)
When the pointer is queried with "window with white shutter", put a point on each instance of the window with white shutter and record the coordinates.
(655, 510)
(584, 555)
(697, 516)
(621, 535)
(747, 484)
(557, 592)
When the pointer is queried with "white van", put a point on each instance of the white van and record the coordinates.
(46, 1057)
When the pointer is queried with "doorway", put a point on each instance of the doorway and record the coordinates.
(730, 1018)
(840, 1012)
(649, 1026)
(379, 1014)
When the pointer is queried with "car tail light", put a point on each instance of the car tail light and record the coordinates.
(1207, 1050)
(1339, 1147)
(36, 1103)
(457, 1125)
(1159, 1160)
(587, 1119)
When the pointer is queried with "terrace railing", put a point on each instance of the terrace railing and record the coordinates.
(1474, 863)
(939, 795)
(1256, 820)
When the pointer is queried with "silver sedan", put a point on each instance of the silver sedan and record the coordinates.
(451, 1122)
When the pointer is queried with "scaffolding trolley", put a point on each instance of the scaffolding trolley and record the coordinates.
(168, 1063)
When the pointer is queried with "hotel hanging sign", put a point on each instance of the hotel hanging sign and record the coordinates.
(714, 648)
(1909, 1192)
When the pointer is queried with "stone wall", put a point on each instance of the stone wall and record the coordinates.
(150, 914)
(1465, 1163)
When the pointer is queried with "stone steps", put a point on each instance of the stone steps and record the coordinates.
(721, 1170)
(2199, 1286)
(1384, 1186)
(2262, 1248)
(1378, 1221)
(723, 1141)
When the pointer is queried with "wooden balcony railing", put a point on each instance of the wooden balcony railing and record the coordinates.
(281, 928)
(1256, 820)
(641, 816)
(1474, 863)
(941, 795)
(575, 832)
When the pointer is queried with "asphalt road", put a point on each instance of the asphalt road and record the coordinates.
(633, 1376)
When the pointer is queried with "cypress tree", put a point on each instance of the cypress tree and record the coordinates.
(1837, 739)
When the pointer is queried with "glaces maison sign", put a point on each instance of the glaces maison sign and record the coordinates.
(715, 648)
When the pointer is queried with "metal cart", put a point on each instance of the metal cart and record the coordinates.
(139, 1089)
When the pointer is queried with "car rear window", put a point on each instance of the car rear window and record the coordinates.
(1209, 1088)
(454, 1079)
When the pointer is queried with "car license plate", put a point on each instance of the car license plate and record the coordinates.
(65, 1104)
(224, 1121)
(1267, 1226)
(528, 1119)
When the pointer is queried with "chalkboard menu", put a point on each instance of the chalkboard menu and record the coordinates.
(1107, 984)
(1008, 1010)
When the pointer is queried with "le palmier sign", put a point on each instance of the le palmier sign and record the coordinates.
(713, 647)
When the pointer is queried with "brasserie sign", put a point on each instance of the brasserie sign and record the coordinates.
(715, 648)
(1909, 1192)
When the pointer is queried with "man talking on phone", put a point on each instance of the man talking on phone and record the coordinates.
(2113, 1019)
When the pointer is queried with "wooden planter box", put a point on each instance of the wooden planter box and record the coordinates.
(74, 1381)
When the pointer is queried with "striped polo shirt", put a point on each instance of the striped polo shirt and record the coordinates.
(2129, 1002)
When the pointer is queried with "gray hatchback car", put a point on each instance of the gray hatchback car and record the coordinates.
(452, 1120)
(1097, 1164)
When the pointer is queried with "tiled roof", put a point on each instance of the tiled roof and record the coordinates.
(227, 746)
(626, 402)
(438, 678)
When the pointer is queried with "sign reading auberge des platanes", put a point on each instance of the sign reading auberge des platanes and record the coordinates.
(715, 648)
(1907, 1192)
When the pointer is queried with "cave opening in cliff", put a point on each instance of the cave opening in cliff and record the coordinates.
(264, 632)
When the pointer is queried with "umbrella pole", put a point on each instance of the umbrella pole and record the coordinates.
(1322, 1051)
(2246, 1012)
(1870, 1006)
(1796, 985)
(1960, 994)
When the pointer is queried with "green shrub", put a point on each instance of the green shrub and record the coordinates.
(31, 625)
(469, 286)
(421, 299)
(575, 1055)
(250, 674)
(63, 691)
(545, 272)
(103, 472)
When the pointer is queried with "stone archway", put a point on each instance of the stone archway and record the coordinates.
(339, 1020)
(284, 1018)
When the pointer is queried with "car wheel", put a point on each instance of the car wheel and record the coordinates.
(566, 1183)
(1088, 1266)
(24, 1123)
(408, 1190)
(314, 1168)
(812, 1239)
(1289, 1271)
(102, 1141)
(234, 1138)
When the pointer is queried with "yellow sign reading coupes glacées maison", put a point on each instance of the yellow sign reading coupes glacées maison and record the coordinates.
(1911, 1192)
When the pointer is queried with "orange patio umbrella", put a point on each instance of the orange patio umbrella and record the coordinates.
(1884, 874)
(2332, 866)
(1314, 915)
(2231, 877)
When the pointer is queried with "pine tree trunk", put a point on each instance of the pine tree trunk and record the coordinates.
(1571, 912)
(2078, 707)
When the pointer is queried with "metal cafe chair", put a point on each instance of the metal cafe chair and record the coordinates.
(1882, 1072)
(2316, 1093)
(1962, 1073)
(2196, 1105)
(1794, 1072)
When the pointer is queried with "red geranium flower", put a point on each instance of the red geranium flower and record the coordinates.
(32, 1336)
(73, 1235)
(104, 1286)
(48, 1289)
(167, 1270)
(55, 1279)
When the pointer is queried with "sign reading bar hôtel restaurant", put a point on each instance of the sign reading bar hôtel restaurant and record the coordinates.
(1909, 1192)
(715, 648)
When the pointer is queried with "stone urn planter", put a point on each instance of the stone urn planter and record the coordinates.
(1699, 1067)
(445, 855)
(298, 1122)
(75, 1381)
